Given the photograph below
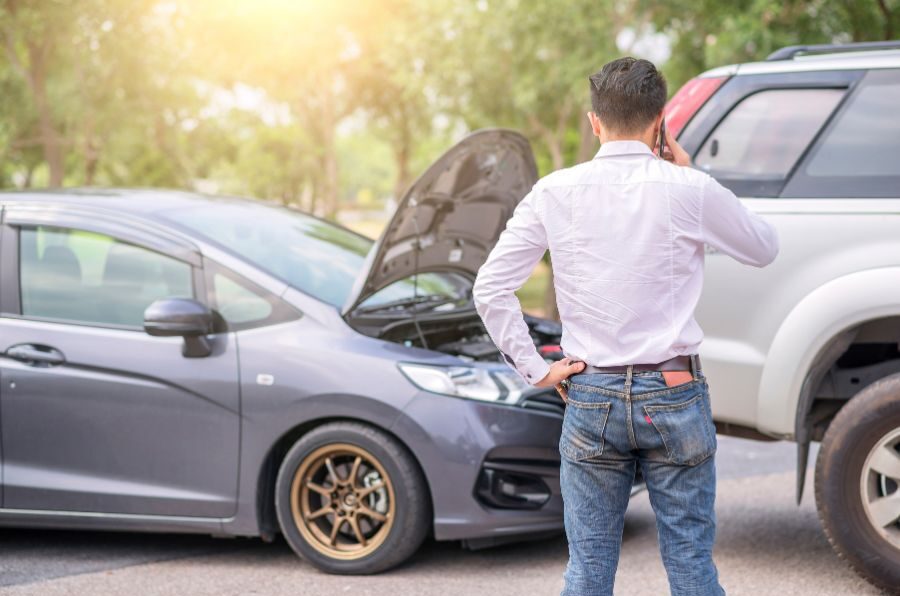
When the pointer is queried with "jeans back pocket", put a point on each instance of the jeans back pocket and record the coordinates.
(582, 430)
(686, 429)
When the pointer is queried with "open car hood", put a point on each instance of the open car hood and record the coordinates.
(454, 212)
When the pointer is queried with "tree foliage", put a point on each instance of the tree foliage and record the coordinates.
(325, 104)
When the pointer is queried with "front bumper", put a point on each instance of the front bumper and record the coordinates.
(493, 470)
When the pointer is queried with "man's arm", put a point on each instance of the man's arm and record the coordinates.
(520, 247)
(727, 225)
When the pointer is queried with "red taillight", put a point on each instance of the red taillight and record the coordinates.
(547, 350)
(684, 104)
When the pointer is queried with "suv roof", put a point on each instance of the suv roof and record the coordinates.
(838, 57)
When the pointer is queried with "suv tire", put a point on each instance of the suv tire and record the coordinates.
(860, 429)
(362, 480)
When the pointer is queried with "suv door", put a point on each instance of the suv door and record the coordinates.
(97, 415)
(750, 136)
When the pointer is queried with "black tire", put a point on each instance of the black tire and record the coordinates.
(874, 413)
(411, 513)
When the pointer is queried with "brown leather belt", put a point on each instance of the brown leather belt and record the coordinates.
(676, 363)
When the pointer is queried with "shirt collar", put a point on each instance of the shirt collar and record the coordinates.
(623, 148)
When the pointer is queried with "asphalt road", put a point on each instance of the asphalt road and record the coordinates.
(766, 545)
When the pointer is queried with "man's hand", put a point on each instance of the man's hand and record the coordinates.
(559, 371)
(674, 152)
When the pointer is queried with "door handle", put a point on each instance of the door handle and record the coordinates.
(35, 354)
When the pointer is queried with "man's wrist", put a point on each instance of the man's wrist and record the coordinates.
(537, 370)
(533, 370)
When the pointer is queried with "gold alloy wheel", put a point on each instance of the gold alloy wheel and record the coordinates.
(342, 501)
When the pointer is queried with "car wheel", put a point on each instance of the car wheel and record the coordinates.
(858, 483)
(351, 500)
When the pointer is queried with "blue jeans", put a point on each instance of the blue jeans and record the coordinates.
(613, 423)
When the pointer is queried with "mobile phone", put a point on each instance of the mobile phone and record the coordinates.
(661, 145)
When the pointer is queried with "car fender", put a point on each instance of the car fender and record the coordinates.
(823, 314)
(267, 428)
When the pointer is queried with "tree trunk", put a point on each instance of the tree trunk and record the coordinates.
(328, 160)
(91, 160)
(35, 75)
(29, 175)
(50, 138)
(91, 152)
(402, 153)
(554, 146)
(329, 176)
(554, 140)
(550, 309)
(587, 146)
(313, 195)
(888, 20)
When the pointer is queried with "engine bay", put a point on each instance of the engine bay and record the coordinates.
(458, 332)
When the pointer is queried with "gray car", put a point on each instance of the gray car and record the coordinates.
(184, 363)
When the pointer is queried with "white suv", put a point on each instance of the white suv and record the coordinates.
(807, 348)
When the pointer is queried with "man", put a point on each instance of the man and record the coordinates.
(626, 234)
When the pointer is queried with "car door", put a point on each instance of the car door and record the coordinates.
(96, 415)
(751, 136)
(4, 282)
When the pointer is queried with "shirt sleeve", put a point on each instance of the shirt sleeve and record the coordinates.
(520, 247)
(727, 225)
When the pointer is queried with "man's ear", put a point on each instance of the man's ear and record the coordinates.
(595, 124)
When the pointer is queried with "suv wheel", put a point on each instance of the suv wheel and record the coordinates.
(858, 483)
(351, 500)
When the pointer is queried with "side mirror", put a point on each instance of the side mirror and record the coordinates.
(184, 317)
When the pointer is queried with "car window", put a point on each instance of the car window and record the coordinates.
(858, 154)
(452, 286)
(241, 303)
(312, 255)
(865, 139)
(92, 278)
(765, 134)
(236, 303)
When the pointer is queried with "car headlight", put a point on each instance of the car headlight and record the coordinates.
(495, 385)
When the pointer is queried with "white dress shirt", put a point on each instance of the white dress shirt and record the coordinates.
(626, 233)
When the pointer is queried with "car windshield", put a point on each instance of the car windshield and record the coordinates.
(438, 290)
(314, 256)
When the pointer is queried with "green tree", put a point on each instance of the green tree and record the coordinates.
(393, 88)
(707, 33)
(88, 87)
(306, 54)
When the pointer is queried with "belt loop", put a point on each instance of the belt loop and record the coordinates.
(694, 366)
(629, 370)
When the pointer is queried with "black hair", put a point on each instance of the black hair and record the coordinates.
(628, 94)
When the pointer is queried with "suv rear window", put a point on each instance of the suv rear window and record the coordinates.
(859, 154)
(759, 141)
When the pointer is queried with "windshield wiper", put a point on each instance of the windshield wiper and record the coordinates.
(431, 301)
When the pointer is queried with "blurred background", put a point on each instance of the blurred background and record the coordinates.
(335, 106)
